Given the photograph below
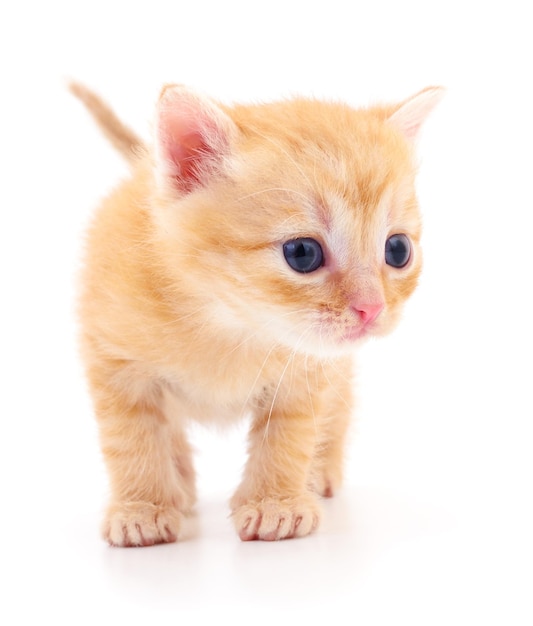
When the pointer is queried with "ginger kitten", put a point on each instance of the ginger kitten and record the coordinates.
(233, 274)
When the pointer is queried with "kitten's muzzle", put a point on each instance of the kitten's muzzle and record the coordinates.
(367, 315)
(367, 312)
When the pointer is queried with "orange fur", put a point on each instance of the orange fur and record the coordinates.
(190, 311)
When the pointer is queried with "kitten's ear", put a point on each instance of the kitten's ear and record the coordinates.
(193, 138)
(412, 113)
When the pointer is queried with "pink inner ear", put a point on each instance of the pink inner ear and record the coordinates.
(192, 135)
(186, 154)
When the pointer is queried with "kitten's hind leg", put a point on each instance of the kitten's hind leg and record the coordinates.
(149, 467)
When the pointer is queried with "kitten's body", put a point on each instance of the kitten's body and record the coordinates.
(189, 309)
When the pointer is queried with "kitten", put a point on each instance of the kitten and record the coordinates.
(234, 273)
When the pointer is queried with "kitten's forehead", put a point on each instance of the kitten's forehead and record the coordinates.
(354, 235)
(345, 177)
(356, 228)
(362, 177)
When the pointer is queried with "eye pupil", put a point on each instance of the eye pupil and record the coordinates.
(397, 251)
(303, 255)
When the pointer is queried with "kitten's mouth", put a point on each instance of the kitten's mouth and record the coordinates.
(359, 332)
(355, 333)
(343, 336)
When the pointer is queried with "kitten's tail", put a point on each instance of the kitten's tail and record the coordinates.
(120, 136)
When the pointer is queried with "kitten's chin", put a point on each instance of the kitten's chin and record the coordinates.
(333, 346)
(353, 335)
(325, 339)
(339, 343)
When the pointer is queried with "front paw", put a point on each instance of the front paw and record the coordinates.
(271, 519)
(129, 524)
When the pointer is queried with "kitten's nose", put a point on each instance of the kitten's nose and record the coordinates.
(368, 312)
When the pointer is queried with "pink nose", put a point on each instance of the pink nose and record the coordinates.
(368, 312)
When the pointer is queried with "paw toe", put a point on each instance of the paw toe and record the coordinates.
(141, 524)
(272, 520)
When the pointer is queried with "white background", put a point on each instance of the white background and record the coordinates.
(434, 523)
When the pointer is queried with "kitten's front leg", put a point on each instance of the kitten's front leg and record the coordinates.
(326, 473)
(149, 466)
(274, 501)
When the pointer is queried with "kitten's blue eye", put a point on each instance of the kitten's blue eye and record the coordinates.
(303, 255)
(398, 251)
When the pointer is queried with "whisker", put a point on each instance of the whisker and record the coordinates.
(274, 318)
(272, 189)
(252, 387)
(331, 363)
(177, 320)
(276, 392)
(274, 346)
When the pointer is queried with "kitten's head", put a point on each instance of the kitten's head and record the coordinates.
(296, 222)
